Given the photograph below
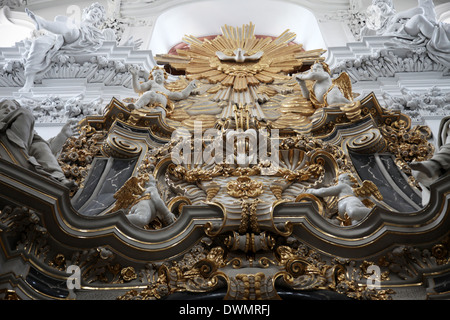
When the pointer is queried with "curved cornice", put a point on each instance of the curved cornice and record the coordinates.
(51, 202)
(377, 233)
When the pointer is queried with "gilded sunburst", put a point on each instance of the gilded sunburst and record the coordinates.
(238, 62)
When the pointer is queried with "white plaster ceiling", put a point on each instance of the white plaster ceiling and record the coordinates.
(170, 20)
(204, 18)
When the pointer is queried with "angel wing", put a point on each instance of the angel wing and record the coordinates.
(344, 83)
(368, 189)
(128, 193)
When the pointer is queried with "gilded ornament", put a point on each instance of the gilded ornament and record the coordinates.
(211, 191)
(78, 153)
(408, 144)
(277, 190)
(304, 270)
(59, 262)
(129, 193)
(128, 274)
(235, 65)
(244, 187)
(439, 251)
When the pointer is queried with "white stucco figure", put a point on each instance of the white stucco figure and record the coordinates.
(349, 197)
(154, 93)
(323, 91)
(64, 37)
(427, 32)
(383, 19)
(26, 147)
(379, 18)
(427, 172)
(413, 28)
(328, 92)
(150, 207)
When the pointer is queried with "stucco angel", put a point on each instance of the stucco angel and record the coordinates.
(328, 92)
(351, 198)
(154, 92)
(145, 202)
(63, 37)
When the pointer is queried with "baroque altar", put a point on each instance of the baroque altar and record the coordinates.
(244, 168)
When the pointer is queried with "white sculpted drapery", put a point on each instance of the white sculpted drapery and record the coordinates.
(416, 29)
(64, 37)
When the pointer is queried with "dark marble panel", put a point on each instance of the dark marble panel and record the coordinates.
(442, 283)
(98, 166)
(399, 179)
(46, 285)
(116, 176)
(368, 169)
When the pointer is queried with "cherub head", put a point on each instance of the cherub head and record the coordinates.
(7, 106)
(158, 74)
(319, 71)
(94, 14)
(380, 3)
(322, 66)
(378, 13)
(346, 178)
(149, 181)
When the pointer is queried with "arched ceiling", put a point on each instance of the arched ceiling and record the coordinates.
(203, 18)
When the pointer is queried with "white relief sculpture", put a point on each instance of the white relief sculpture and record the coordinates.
(150, 207)
(154, 93)
(350, 204)
(54, 109)
(328, 92)
(416, 29)
(76, 108)
(354, 17)
(64, 37)
(423, 30)
(429, 171)
(17, 130)
(379, 17)
(434, 101)
(386, 63)
(323, 93)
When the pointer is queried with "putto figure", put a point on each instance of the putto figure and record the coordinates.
(64, 37)
(328, 92)
(149, 207)
(350, 205)
(154, 93)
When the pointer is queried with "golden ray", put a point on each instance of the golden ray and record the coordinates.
(241, 67)
(279, 58)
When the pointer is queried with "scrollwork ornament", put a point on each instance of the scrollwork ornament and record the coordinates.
(304, 270)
